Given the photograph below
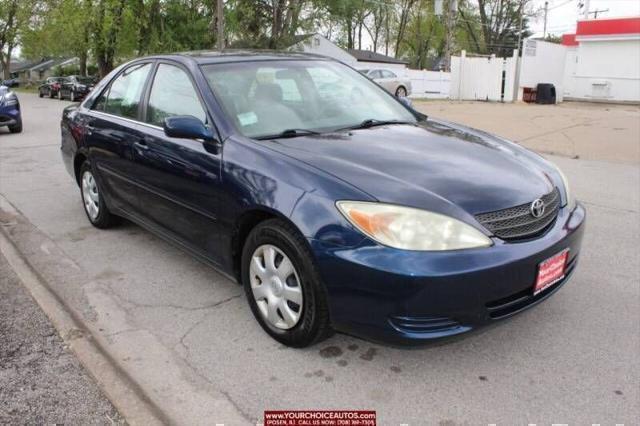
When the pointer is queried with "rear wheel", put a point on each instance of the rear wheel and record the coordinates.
(283, 286)
(93, 201)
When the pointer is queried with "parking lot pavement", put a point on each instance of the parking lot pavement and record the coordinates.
(573, 129)
(41, 382)
(175, 322)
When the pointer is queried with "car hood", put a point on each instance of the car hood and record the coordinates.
(435, 165)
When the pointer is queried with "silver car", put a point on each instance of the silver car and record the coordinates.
(399, 86)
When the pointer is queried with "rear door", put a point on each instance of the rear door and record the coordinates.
(180, 180)
(113, 132)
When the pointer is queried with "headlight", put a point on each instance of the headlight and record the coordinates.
(411, 229)
(571, 202)
(10, 99)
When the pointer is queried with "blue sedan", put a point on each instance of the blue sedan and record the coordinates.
(10, 115)
(336, 205)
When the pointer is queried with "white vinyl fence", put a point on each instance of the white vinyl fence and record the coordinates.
(483, 79)
(429, 84)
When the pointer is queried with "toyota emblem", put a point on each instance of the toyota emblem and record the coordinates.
(537, 208)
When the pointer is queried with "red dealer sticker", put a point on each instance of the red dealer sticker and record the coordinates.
(551, 271)
(319, 418)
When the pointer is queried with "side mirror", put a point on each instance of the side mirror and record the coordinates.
(406, 102)
(187, 127)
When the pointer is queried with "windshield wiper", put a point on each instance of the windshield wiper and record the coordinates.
(290, 133)
(372, 122)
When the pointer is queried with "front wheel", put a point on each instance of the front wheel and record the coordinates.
(283, 286)
(93, 201)
(401, 92)
(16, 128)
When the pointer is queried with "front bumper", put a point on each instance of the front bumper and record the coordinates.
(10, 115)
(404, 297)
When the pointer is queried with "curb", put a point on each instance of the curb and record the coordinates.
(146, 381)
(124, 394)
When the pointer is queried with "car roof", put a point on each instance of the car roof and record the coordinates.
(238, 55)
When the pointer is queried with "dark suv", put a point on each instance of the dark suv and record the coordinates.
(75, 87)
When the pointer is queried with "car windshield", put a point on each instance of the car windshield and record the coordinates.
(267, 98)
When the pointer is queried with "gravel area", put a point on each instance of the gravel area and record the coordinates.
(41, 382)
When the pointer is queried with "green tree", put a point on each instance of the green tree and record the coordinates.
(494, 24)
(63, 28)
(14, 17)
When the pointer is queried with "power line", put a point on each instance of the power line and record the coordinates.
(561, 4)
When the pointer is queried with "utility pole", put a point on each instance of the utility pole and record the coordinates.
(546, 10)
(449, 11)
(516, 79)
(585, 5)
(595, 12)
(520, 26)
(220, 24)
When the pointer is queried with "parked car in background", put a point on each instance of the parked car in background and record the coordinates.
(358, 214)
(12, 82)
(75, 87)
(399, 86)
(50, 87)
(10, 115)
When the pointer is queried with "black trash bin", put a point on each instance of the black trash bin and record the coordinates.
(546, 93)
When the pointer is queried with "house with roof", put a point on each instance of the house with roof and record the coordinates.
(39, 70)
(360, 59)
(603, 60)
(369, 59)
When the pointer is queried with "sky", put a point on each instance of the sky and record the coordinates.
(563, 14)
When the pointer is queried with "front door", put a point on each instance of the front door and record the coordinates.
(179, 180)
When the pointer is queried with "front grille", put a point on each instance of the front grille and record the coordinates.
(517, 223)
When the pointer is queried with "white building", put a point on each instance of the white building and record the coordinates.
(603, 60)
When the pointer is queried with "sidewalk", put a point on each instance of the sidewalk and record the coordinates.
(41, 382)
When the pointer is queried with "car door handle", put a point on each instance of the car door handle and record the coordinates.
(141, 145)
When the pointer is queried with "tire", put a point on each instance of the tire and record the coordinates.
(72, 96)
(16, 128)
(102, 218)
(312, 324)
(401, 92)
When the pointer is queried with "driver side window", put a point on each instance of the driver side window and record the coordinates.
(173, 94)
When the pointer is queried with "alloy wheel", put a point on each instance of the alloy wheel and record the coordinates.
(90, 195)
(276, 287)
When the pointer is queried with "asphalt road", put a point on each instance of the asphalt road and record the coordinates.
(41, 382)
(574, 359)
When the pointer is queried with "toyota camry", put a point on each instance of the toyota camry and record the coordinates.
(335, 204)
